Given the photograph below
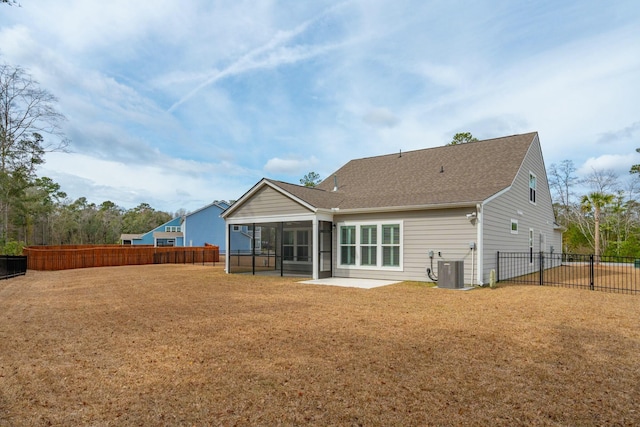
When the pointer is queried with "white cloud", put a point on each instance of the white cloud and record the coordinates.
(619, 163)
(288, 166)
(286, 88)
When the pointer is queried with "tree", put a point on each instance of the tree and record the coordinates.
(635, 168)
(143, 218)
(311, 179)
(41, 200)
(561, 181)
(462, 138)
(603, 180)
(27, 112)
(595, 202)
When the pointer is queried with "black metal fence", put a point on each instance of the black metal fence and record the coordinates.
(603, 273)
(11, 266)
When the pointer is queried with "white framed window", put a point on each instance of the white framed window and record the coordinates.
(348, 245)
(514, 226)
(235, 228)
(172, 228)
(532, 187)
(370, 245)
(390, 245)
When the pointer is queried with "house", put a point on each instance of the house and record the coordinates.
(167, 234)
(198, 228)
(395, 216)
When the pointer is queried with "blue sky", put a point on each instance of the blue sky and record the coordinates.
(177, 103)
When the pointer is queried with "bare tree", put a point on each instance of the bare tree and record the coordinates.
(603, 181)
(562, 180)
(27, 112)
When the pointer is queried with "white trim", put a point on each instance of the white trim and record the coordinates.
(514, 221)
(379, 245)
(227, 245)
(498, 194)
(272, 218)
(400, 209)
(315, 252)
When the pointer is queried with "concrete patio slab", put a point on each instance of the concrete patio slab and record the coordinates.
(351, 283)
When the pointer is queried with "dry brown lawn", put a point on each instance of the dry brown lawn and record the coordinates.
(189, 345)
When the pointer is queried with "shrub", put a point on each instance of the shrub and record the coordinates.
(12, 247)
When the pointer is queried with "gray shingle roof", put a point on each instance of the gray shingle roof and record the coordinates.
(458, 174)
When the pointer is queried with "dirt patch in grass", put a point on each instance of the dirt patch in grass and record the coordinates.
(190, 345)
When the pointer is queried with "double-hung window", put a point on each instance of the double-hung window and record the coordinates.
(348, 245)
(370, 245)
(391, 245)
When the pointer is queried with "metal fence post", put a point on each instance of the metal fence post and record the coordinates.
(591, 273)
(497, 266)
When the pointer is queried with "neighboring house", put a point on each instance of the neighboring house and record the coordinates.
(197, 228)
(167, 234)
(394, 216)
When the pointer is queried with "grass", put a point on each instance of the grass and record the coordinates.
(190, 345)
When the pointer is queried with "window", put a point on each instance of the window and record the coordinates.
(172, 228)
(532, 187)
(295, 245)
(288, 245)
(302, 245)
(235, 228)
(391, 245)
(514, 226)
(370, 245)
(348, 245)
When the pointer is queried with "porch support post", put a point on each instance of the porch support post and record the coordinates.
(315, 248)
(227, 245)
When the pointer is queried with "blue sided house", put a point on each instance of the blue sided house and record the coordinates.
(201, 227)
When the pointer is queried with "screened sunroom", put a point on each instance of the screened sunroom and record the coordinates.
(284, 248)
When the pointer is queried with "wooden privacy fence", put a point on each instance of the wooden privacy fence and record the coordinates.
(78, 256)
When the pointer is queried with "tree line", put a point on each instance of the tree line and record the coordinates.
(34, 210)
(605, 220)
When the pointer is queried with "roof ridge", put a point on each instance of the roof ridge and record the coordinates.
(444, 146)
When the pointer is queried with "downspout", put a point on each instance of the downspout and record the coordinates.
(480, 245)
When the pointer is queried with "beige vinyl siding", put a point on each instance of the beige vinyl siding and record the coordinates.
(446, 231)
(268, 202)
(514, 204)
